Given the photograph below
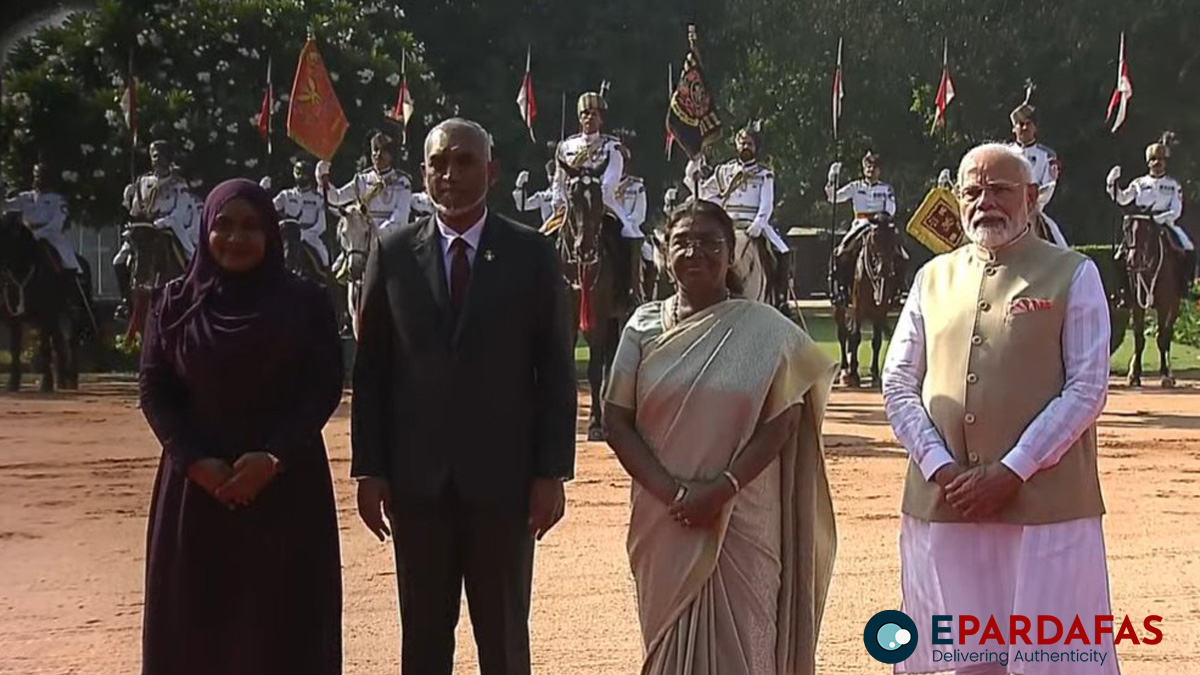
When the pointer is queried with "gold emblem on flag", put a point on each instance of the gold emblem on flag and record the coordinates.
(936, 223)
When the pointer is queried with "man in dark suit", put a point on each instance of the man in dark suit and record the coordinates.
(463, 417)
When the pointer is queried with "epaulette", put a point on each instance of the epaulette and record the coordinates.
(1046, 149)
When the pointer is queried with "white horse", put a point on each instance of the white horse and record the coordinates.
(357, 236)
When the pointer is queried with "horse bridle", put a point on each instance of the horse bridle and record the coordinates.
(585, 265)
(11, 279)
(1143, 290)
(871, 259)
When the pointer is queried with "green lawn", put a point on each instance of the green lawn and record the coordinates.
(1184, 358)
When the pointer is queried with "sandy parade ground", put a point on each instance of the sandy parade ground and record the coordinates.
(76, 472)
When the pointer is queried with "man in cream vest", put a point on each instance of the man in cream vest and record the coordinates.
(995, 377)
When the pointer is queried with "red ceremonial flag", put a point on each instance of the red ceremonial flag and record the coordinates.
(1123, 91)
(525, 100)
(838, 91)
(264, 112)
(315, 119)
(945, 92)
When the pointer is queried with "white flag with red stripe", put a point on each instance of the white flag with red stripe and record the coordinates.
(1119, 102)
(838, 92)
(129, 106)
(945, 92)
(525, 100)
(403, 110)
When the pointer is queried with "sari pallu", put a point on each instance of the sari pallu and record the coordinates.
(746, 597)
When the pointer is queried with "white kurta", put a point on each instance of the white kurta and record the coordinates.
(45, 214)
(1058, 569)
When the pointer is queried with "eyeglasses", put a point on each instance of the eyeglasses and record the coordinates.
(686, 245)
(973, 193)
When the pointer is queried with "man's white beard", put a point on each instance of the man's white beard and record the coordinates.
(993, 237)
(447, 212)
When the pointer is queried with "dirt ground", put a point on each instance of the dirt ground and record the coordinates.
(76, 473)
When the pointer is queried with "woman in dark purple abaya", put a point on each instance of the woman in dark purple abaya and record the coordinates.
(241, 369)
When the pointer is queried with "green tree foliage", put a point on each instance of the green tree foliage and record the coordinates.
(201, 71)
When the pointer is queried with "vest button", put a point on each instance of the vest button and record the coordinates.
(969, 418)
(972, 378)
(974, 457)
(991, 271)
(984, 306)
(976, 340)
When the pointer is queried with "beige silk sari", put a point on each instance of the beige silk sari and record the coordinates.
(746, 597)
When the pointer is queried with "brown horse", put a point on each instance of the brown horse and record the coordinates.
(878, 279)
(1154, 271)
(157, 259)
(594, 258)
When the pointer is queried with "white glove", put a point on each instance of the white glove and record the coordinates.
(1114, 174)
(755, 230)
(322, 172)
(944, 180)
(671, 195)
(835, 170)
(265, 182)
(522, 179)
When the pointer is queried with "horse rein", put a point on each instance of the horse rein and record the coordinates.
(1144, 290)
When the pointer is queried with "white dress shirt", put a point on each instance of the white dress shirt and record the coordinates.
(1085, 340)
(447, 237)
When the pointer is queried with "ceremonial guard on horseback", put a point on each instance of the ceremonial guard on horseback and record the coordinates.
(376, 199)
(874, 203)
(44, 212)
(302, 219)
(158, 240)
(43, 282)
(541, 201)
(1157, 258)
(745, 188)
(1158, 198)
(1045, 166)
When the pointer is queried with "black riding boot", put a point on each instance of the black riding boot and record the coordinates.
(125, 286)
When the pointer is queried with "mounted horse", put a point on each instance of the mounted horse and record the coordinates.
(34, 289)
(357, 236)
(874, 292)
(595, 262)
(157, 259)
(1153, 264)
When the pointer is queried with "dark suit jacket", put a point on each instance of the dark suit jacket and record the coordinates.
(486, 399)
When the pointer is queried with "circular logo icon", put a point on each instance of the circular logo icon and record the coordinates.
(890, 636)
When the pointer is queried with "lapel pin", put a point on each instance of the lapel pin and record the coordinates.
(488, 255)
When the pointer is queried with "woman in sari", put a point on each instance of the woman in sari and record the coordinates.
(714, 407)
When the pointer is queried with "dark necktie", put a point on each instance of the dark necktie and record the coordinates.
(460, 272)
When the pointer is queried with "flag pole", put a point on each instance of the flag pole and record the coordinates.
(833, 202)
(131, 88)
(946, 112)
(270, 106)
